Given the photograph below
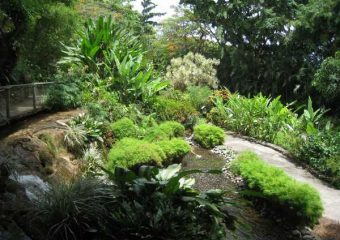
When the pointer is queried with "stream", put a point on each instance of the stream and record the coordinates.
(250, 225)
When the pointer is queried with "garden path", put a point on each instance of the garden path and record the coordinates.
(329, 196)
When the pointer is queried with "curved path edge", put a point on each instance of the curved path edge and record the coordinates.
(330, 197)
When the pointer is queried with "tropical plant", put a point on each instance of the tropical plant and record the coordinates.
(133, 81)
(310, 117)
(273, 184)
(208, 136)
(95, 130)
(91, 160)
(218, 114)
(192, 70)
(161, 204)
(260, 117)
(100, 43)
(62, 97)
(75, 137)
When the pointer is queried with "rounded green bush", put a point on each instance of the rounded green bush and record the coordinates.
(165, 131)
(276, 186)
(174, 149)
(124, 127)
(130, 152)
(208, 136)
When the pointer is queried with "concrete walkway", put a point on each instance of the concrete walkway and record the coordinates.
(330, 196)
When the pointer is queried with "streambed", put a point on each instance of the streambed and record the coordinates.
(250, 224)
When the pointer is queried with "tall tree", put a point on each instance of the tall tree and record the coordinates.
(30, 36)
(263, 43)
(148, 15)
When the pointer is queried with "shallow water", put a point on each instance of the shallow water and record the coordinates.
(250, 225)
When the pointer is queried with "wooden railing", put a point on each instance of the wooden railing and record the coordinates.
(17, 101)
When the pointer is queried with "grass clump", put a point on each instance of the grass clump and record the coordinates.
(165, 131)
(130, 152)
(174, 149)
(208, 136)
(275, 185)
(124, 127)
(73, 210)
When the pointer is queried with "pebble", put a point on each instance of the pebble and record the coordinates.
(228, 155)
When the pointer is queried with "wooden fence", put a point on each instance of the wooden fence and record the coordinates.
(17, 101)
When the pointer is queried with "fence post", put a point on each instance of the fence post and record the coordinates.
(34, 96)
(8, 103)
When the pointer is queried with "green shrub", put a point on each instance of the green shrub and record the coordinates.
(152, 204)
(333, 170)
(174, 149)
(97, 111)
(208, 136)
(164, 131)
(124, 128)
(327, 78)
(162, 204)
(317, 149)
(276, 186)
(259, 117)
(176, 110)
(130, 152)
(192, 70)
(95, 130)
(200, 97)
(63, 97)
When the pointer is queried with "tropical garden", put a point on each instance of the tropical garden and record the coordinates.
(152, 92)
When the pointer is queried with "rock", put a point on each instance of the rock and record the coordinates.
(308, 237)
(33, 185)
(13, 232)
(296, 233)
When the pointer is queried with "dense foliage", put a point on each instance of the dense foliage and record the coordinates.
(259, 117)
(179, 110)
(144, 85)
(192, 70)
(124, 127)
(31, 32)
(174, 149)
(327, 78)
(130, 152)
(270, 46)
(155, 203)
(208, 136)
(165, 131)
(276, 186)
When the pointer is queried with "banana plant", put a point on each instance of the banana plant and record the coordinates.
(310, 117)
(135, 81)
